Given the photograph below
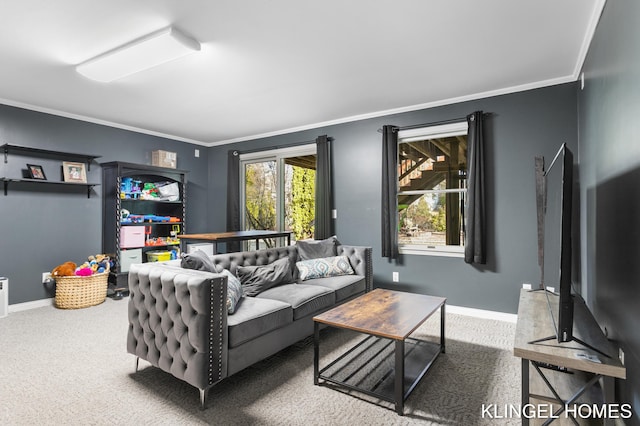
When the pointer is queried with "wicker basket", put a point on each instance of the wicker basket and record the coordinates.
(75, 292)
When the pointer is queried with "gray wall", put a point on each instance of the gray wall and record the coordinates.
(45, 225)
(609, 111)
(520, 126)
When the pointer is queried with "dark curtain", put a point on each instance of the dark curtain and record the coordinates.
(389, 192)
(233, 197)
(323, 228)
(475, 250)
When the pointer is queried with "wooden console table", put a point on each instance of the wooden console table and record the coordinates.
(560, 366)
(224, 237)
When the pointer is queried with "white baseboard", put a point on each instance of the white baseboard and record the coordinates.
(481, 313)
(460, 310)
(17, 307)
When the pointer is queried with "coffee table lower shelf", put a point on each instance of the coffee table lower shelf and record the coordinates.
(374, 364)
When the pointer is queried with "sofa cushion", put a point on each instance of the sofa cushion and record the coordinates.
(324, 267)
(304, 299)
(344, 286)
(198, 260)
(314, 249)
(256, 279)
(255, 317)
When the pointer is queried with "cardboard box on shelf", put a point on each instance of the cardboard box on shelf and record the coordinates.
(164, 159)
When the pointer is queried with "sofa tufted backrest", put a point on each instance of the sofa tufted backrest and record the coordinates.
(231, 261)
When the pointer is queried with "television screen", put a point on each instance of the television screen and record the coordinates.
(554, 195)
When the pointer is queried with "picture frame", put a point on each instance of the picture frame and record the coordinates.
(74, 172)
(36, 172)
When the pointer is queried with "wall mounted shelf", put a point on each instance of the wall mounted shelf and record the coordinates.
(6, 148)
(40, 152)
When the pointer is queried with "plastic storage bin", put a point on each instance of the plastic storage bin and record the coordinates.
(158, 255)
(132, 236)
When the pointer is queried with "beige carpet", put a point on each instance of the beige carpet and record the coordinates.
(71, 367)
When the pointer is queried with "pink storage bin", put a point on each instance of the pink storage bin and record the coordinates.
(132, 236)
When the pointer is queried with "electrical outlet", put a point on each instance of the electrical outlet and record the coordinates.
(621, 355)
(196, 153)
(526, 286)
(396, 277)
(45, 276)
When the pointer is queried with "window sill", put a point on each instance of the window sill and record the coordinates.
(420, 251)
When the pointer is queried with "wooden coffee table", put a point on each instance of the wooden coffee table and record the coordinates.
(387, 364)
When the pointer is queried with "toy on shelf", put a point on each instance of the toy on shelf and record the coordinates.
(130, 188)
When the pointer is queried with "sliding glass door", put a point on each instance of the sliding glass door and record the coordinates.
(279, 191)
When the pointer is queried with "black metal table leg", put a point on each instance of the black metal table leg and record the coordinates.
(442, 316)
(399, 377)
(525, 389)
(316, 352)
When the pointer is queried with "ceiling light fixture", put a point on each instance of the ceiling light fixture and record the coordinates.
(146, 52)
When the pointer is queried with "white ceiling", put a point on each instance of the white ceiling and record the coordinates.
(270, 67)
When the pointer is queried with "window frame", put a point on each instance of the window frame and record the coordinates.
(431, 132)
(278, 155)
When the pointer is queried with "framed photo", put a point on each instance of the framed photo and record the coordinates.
(36, 172)
(74, 172)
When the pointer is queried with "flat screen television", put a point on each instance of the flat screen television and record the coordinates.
(554, 196)
(554, 192)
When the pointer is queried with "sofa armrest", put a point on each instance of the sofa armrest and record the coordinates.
(360, 260)
(178, 322)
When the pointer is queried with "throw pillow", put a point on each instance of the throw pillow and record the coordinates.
(315, 249)
(197, 260)
(325, 267)
(234, 291)
(256, 279)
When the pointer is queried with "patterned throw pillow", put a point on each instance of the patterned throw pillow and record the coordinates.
(324, 267)
(234, 291)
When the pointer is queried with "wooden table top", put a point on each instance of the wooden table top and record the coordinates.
(534, 322)
(384, 313)
(235, 235)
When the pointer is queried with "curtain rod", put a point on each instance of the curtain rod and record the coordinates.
(434, 123)
(269, 148)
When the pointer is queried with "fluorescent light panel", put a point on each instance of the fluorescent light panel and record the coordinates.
(149, 51)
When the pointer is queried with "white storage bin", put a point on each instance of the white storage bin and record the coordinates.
(205, 247)
(128, 258)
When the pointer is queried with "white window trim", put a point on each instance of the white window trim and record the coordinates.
(438, 131)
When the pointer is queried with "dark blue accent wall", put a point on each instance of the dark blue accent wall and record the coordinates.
(46, 225)
(519, 127)
(609, 111)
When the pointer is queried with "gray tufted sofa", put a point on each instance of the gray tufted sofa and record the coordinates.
(178, 319)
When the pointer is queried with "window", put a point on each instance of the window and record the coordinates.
(432, 172)
(278, 191)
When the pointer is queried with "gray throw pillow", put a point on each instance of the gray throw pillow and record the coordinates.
(256, 279)
(197, 260)
(316, 249)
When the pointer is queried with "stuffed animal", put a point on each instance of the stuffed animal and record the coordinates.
(64, 270)
(84, 272)
(98, 263)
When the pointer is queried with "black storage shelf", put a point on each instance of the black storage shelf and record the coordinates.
(113, 203)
